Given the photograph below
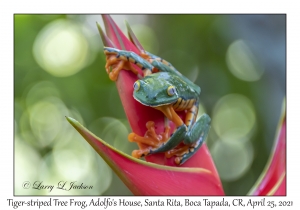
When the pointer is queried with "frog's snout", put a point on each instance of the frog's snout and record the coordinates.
(152, 97)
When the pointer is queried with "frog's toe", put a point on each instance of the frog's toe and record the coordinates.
(140, 153)
(151, 142)
(173, 141)
(147, 140)
(187, 152)
(146, 144)
(117, 63)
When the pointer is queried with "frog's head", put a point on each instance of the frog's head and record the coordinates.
(154, 91)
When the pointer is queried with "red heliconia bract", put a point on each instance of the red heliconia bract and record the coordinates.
(273, 179)
(144, 178)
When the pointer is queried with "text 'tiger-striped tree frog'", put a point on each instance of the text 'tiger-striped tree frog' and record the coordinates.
(166, 89)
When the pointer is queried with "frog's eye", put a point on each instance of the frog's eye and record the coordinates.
(171, 90)
(136, 85)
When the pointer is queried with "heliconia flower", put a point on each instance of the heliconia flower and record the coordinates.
(137, 114)
(159, 175)
(273, 179)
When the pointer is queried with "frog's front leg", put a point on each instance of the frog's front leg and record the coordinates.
(121, 59)
(149, 141)
(160, 143)
(154, 145)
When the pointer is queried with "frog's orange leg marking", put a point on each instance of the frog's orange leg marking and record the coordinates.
(170, 113)
(118, 64)
(151, 140)
(191, 115)
(121, 59)
(177, 151)
(145, 56)
(158, 141)
(180, 151)
(190, 118)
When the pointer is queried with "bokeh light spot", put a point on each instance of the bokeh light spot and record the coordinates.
(76, 162)
(201, 111)
(39, 91)
(71, 164)
(47, 119)
(234, 118)
(112, 131)
(193, 74)
(232, 159)
(61, 49)
(26, 160)
(242, 63)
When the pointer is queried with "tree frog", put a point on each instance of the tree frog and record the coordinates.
(165, 89)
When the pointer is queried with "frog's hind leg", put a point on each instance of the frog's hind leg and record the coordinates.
(194, 138)
(121, 59)
(198, 130)
(159, 63)
(173, 141)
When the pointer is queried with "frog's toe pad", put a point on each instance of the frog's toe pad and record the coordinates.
(147, 140)
(113, 75)
(131, 137)
(140, 153)
(178, 160)
(182, 153)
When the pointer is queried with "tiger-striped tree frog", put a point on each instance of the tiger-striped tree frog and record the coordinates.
(166, 89)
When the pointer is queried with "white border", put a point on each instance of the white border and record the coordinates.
(8, 8)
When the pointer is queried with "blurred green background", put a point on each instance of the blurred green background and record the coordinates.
(239, 61)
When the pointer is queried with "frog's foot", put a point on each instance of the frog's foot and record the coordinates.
(117, 63)
(183, 152)
(198, 131)
(151, 140)
(173, 141)
(179, 151)
(122, 59)
(193, 140)
(140, 153)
